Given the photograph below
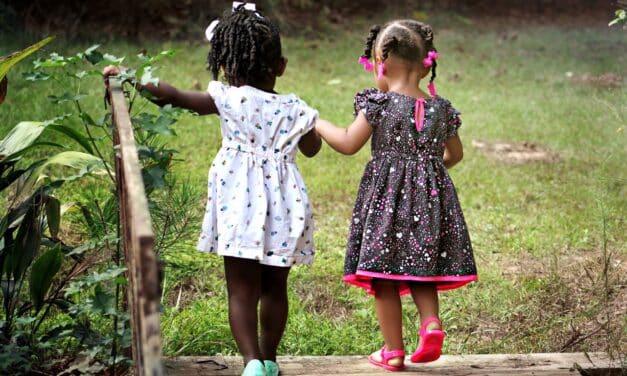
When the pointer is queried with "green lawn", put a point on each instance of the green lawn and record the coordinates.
(537, 228)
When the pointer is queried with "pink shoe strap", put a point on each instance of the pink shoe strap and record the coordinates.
(387, 355)
(429, 320)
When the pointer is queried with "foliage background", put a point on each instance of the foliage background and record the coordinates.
(184, 18)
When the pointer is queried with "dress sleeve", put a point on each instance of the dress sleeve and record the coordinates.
(372, 103)
(453, 121)
(217, 90)
(309, 116)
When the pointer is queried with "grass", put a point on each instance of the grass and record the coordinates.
(537, 228)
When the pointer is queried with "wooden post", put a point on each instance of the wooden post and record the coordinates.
(138, 240)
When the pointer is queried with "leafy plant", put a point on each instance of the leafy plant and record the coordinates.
(31, 254)
(7, 62)
(621, 17)
(76, 291)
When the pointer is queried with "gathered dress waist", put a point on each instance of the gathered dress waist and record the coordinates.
(418, 157)
(264, 153)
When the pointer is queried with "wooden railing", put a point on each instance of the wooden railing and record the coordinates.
(143, 293)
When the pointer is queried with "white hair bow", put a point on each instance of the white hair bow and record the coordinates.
(214, 23)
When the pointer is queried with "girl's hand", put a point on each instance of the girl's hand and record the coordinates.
(110, 70)
(310, 143)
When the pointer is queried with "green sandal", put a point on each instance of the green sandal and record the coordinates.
(254, 368)
(272, 369)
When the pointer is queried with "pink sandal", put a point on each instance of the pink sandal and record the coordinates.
(430, 347)
(385, 359)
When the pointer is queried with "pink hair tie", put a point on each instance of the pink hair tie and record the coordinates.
(431, 87)
(366, 63)
(428, 61)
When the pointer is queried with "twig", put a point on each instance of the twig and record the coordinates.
(178, 299)
(576, 340)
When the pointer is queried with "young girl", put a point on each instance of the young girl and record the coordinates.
(258, 214)
(408, 234)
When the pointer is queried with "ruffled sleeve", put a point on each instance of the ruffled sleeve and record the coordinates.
(372, 103)
(453, 121)
(217, 90)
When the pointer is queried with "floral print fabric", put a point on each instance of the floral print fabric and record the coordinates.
(257, 203)
(407, 224)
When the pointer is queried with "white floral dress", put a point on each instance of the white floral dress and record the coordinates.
(257, 203)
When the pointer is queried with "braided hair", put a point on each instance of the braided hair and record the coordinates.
(246, 46)
(407, 39)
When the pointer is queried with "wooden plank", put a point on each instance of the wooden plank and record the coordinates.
(138, 240)
(453, 365)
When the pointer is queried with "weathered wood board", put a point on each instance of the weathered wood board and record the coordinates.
(454, 365)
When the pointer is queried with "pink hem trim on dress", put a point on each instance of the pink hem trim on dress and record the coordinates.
(363, 279)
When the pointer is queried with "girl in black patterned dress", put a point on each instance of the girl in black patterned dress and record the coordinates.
(408, 234)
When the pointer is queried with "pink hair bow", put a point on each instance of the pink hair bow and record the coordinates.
(366, 63)
(428, 61)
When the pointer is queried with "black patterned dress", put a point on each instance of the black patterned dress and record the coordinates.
(407, 224)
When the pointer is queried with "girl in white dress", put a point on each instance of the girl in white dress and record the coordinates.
(258, 215)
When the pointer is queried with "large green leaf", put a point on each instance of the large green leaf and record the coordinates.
(27, 242)
(42, 273)
(8, 288)
(7, 180)
(73, 134)
(15, 215)
(16, 156)
(53, 214)
(83, 162)
(20, 137)
(6, 62)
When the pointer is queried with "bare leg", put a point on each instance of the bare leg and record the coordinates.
(243, 281)
(425, 297)
(387, 303)
(274, 308)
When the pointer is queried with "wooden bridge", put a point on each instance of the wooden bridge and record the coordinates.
(144, 294)
(559, 364)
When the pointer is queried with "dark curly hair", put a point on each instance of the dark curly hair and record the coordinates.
(407, 39)
(246, 46)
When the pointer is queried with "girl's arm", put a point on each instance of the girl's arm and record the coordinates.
(346, 140)
(453, 151)
(163, 94)
(310, 143)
